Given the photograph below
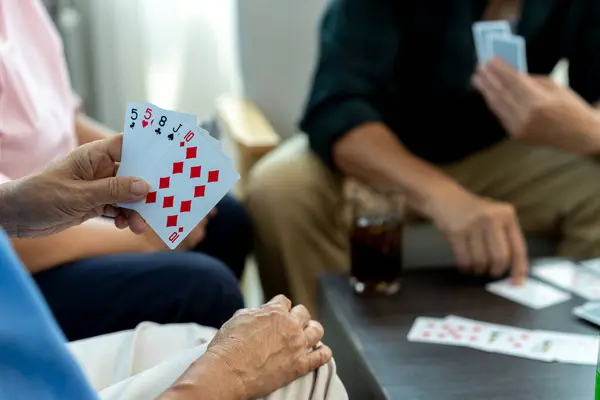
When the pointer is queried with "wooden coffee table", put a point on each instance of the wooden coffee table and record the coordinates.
(375, 361)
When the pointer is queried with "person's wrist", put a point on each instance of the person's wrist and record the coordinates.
(433, 194)
(208, 378)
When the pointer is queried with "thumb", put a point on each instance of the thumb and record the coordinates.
(117, 189)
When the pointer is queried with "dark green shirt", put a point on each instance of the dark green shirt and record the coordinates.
(408, 64)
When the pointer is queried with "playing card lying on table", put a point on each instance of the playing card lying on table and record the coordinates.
(533, 344)
(187, 172)
(569, 276)
(532, 293)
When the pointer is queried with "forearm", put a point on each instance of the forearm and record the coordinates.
(91, 239)
(9, 213)
(593, 130)
(372, 153)
(89, 130)
(207, 379)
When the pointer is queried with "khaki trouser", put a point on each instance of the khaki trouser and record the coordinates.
(140, 364)
(296, 203)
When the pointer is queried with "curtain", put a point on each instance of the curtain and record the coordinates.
(177, 54)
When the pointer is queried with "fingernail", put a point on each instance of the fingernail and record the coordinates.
(519, 280)
(139, 188)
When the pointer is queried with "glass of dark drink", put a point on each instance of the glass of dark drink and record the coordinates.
(376, 243)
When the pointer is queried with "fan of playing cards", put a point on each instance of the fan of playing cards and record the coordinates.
(185, 167)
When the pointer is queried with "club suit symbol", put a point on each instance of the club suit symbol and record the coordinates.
(158, 131)
(132, 125)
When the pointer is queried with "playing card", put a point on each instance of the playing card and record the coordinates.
(569, 276)
(592, 265)
(572, 348)
(475, 334)
(431, 330)
(510, 49)
(149, 130)
(481, 30)
(532, 293)
(523, 343)
(192, 178)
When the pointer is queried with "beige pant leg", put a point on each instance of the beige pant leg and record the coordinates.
(554, 192)
(296, 205)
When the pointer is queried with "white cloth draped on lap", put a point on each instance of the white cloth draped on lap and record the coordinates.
(141, 363)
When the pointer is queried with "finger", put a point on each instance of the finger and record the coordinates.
(544, 81)
(244, 311)
(203, 223)
(121, 221)
(314, 333)
(136, 223)
(518, 85)
(494, 93)
(520, 263)
(478, 253)
(112, 146)
(132, 220)
(280, 300)
(116, 189)
(318, 357)
(497, 245)
(301, 314)
(505, 74)
(461, 252)
(110, 211)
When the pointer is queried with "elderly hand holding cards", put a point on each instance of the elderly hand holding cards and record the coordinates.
(187, 172)
(536, 110)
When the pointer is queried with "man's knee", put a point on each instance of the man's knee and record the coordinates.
(290, 180)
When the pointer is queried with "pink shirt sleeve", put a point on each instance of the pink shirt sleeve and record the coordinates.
(37, 103)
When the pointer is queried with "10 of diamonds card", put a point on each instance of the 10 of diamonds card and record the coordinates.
(187, 172)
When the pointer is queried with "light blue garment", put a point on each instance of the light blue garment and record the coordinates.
(35, 364)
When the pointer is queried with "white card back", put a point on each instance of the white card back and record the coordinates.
(510, 49)
(481, 30)
(532, 293)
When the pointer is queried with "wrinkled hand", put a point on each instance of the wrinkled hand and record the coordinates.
(535, 110)
(73, 190)
(269, 347)
(485, 235)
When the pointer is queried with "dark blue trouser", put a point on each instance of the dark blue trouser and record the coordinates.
(117, 292)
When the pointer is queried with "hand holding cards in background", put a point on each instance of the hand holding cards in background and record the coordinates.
(495, 39)
(484, 234)
(535, 110)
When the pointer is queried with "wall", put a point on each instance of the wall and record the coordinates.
(278, 45)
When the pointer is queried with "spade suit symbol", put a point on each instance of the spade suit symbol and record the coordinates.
(132, 125)
(157, 130)
(170, 137)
